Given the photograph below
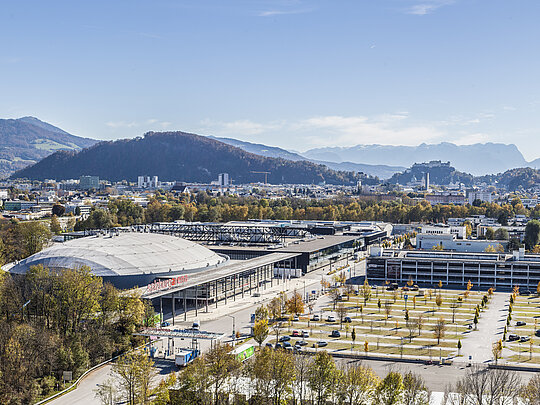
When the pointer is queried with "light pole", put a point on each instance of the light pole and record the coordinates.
(233, 327)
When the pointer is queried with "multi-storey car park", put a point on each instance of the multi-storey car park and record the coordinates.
(426, 268)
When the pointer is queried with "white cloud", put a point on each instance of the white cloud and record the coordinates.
(121, 124)
(347, 131)
(428, 6)
(149, 123)
(273, 13)
(239, 127)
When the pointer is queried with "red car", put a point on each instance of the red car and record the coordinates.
(295, 333)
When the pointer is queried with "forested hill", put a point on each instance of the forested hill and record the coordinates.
(179, 156)
(514, 179)
(441, 173)
(27, 140)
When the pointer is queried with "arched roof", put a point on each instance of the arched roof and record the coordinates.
(124, 255)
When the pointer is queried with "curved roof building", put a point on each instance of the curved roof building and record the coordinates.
(127, 259)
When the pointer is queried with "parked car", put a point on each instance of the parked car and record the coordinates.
(322, 343)
(269, 345)
(165, 323)
(295, 333)
(296, 318)
(301, 343)
(279, 346)
(414, 288)
(335, 333)
(520, 323)
(512, 338)
(524, 339)
(284, 338)
(537, 333)
(286, 345)
(331, 318)
(347, 319)
(305, 334)
(316, 318)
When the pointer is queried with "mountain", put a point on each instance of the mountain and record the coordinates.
(440, 173)
(381, 171)
(478, 159)
(179, 156)
(26, 140)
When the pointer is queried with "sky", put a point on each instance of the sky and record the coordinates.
(290, 73)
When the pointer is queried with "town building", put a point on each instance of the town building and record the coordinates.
(484, 270)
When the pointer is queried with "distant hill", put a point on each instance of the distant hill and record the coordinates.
(440, 173)
(26, 140)
(179, 156)
(514, 179)
(478, 159)
(381, 171)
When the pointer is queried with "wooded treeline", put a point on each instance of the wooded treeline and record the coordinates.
(54, 322)
(205, 208)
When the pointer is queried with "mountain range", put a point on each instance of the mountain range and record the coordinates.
(381, 171)
(27, 140)
(478, 159)
(179, 156)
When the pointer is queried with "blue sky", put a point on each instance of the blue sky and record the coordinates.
(291, 73)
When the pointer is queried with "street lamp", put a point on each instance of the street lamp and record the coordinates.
(233, 327)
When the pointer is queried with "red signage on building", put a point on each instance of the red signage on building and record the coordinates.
(165, 284)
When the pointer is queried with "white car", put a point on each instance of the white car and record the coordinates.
(331, 318)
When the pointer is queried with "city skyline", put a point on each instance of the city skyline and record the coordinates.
(293, 74)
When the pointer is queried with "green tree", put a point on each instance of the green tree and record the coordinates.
(532, 233)
(135, 373)
(260, 331)
(55, 226)
(390, 390)
(321, 377)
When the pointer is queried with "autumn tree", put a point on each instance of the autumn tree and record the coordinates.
(295, 304)
(135, 373)
(389, 391)
(260, 331)
(321, 377)
(439, 329)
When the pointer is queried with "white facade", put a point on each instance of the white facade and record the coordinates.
(147, 182)
(223, 179)
(459, 231)
(450, 242)
(480, 195)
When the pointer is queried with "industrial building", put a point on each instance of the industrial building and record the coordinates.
(498, 270)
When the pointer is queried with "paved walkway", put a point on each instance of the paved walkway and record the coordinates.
(478, 343)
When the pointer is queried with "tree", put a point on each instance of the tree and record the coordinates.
(274, 309)
(390, 390)
(496, 349)
(490, 234)
(459, 346)
(485, 386)
(356, 384)
(532, 233)
(439, 300)
(220, 365)
(419, 323)
(341, 312)
(295, 304)
(335, 295)
(501, 234)
(134, 372)
(261, 313)
(438, 329)
(353, 335)
(34, 236)
(387, 310)
(58, 210)
(55, 226)
(530, 393)
(379, 304)
(415, 391)
(321, 377)
(260, 331)
(366, 291)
